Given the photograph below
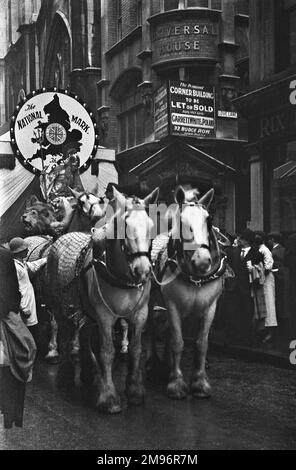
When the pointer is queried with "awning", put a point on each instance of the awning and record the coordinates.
(199, 154)
(285, 171)
(7, 159)
(214, 162)
(149, 159)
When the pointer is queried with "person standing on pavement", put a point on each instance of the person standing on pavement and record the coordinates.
(281, 275)
(19, 250)
(268, 287)
(17, 346)
(240, 304)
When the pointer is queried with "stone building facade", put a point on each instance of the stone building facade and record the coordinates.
(147, 43)
(47, 43)
(270, 108)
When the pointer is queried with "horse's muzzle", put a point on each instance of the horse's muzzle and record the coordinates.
(201, 261)
(141, 269)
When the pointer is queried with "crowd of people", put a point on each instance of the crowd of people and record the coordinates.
(259, 300)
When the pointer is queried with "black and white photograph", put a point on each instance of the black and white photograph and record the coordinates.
(147, 228)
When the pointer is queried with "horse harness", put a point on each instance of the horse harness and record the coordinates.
(99, 266)
(176, 254)
(80, 203)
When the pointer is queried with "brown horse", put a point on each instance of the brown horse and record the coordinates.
(191, 284)
(115, 283)
(80, 214)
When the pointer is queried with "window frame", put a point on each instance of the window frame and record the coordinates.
(183, 4)
(119, 20)
(282, 36)
(139, 7)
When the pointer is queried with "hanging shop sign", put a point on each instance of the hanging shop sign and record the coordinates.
(192, 110)
(48, 125)
(161, 118)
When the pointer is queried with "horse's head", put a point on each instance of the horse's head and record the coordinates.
(194, 229)
(38, 216)
(137, 232)
(94, 207)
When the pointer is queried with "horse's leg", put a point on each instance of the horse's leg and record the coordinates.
(75, 346)
(177, 388)
(66, 369)
(88, 362)
(108, 398)
(53, 355)
(134, 383)
(124, 341)
(200, 385)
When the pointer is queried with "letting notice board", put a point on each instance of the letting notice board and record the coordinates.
(184, 109)
(192, 109)
(161, 117)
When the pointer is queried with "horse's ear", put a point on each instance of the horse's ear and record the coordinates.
(76, 194)
(207, 198)
(120, 199)
(179, 195)
(152, 197)
(31, 200)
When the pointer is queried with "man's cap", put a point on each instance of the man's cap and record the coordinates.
(17, 245)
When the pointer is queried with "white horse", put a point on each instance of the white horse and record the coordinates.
(191, 284)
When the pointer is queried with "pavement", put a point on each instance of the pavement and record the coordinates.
(252, 407)
(276, 352)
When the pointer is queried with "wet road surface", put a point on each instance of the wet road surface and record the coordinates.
(253, 407)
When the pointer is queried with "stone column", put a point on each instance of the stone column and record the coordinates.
(256, 181)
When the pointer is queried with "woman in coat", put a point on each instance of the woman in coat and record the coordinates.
(269, 285)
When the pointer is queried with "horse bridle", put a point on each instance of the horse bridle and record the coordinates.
(209, 223)
(137, 254)
(98, 202)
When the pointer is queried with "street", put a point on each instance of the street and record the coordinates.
(252, 407)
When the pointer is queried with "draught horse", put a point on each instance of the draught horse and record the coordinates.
(115, 283)
(191, 284)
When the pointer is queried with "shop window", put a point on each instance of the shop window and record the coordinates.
(285, 36)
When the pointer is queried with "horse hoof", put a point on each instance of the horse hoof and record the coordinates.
(52, 358)
(201, 389)
(110, 405)
(177, 390)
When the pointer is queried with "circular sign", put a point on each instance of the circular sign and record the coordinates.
(48, 125)
(56, 134)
